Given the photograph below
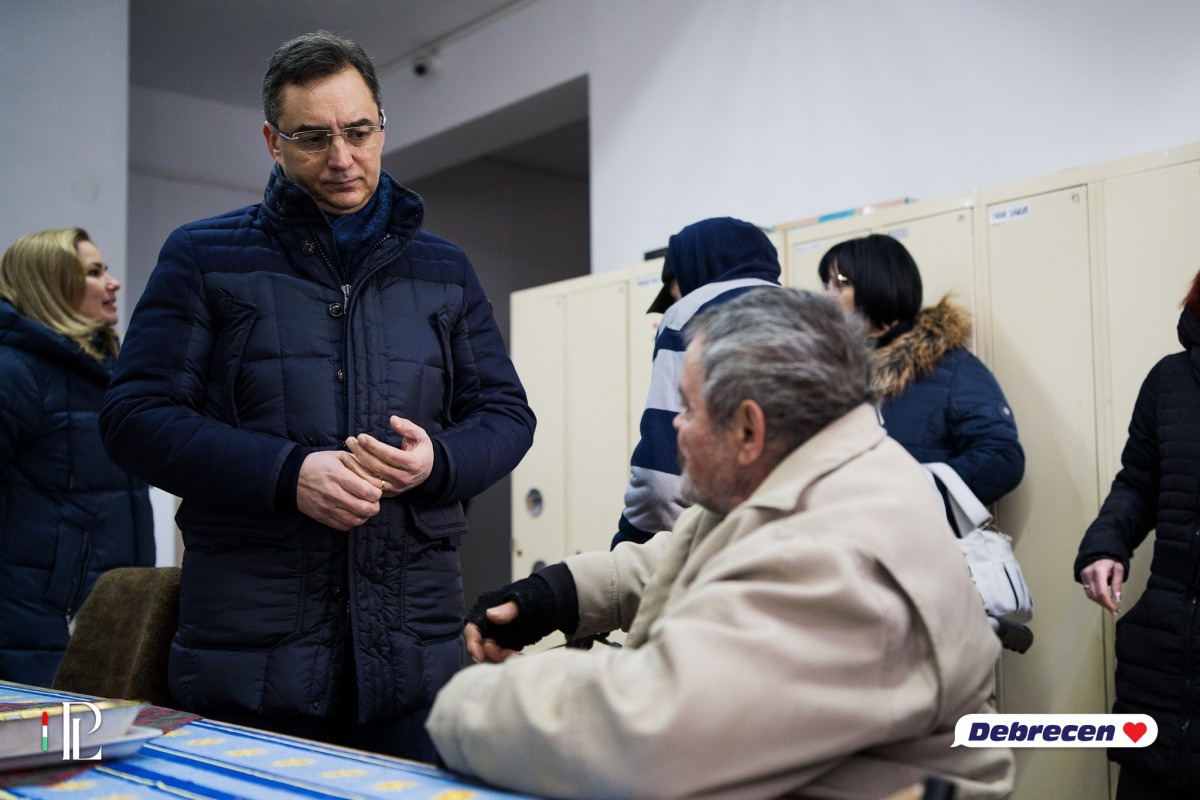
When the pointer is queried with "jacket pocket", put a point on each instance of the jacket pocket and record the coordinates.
(244, 578)
(233, 320)
(193, 518)
(432, 597)
(441, 522)
(443, 329)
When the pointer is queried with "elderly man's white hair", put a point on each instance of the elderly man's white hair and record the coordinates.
(792, 352)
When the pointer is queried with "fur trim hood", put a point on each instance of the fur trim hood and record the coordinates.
(936, 331)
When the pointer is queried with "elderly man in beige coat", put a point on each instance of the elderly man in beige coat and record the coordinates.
(808, 629)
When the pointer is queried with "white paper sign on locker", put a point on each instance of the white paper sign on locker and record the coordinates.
(1010, 212)
(808, 247)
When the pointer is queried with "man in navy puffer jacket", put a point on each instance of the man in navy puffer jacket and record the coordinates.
(323, 383)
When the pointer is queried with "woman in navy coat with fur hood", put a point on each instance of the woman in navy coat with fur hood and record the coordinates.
(936, 398)
(67, 513)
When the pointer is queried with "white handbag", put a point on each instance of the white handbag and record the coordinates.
(990, 559)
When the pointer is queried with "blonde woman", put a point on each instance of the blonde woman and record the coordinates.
(67, 513)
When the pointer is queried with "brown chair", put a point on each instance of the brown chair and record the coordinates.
(122, 636)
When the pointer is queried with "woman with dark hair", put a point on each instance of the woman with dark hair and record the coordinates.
(936, 398)
(67, 513)
(1158, 640)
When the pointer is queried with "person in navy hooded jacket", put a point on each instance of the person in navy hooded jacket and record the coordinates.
(67, 513)
(322, 382)
(708, 262)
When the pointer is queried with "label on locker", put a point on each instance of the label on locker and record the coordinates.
(808, 246)
(1010, 212)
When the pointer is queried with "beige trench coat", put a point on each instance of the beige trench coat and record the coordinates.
(820, 641)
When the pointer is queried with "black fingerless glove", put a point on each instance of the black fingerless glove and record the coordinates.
(539, 612)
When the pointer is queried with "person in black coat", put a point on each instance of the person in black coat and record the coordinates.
(67, 513)
(1158, 640)
(935, 397)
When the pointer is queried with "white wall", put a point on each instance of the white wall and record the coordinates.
(189, 158)
(774, 110)
(159, 205)
(770, 110)
(64, 81)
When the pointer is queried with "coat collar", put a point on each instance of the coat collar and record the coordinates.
(1188, 331)
(22, 333)
(287, 203)
(779, 494)
(936, 331)
(699, 533)
(834, 445)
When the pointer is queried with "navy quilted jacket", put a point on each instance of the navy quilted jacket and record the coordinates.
(248, 343)
(943, 404)
(67, 513)
(1158, 640)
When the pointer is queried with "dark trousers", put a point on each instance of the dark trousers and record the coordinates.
(1134, 784)
(402, 736)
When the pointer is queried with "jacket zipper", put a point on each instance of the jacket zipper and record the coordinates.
(342, 283)
(85, 558)
(333, 270)
(345, 286)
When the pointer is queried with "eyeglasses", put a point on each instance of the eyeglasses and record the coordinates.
(319, 141)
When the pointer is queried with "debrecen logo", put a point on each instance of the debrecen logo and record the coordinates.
(1055, 730)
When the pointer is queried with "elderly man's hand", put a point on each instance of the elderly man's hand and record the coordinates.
(394, 469)
(504, 620)
(481, 649)
(333, 493)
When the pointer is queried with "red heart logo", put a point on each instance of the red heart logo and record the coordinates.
(1135, 731)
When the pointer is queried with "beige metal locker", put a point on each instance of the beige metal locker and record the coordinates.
(597, 425)
(539, 496)
(943, 245)
(645, 281)
(1151, 251)
(779, 241)
(803, 248)
(1042, 344)
(939, 234)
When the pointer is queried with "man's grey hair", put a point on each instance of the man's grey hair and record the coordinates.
(311, 57)
(793, 352)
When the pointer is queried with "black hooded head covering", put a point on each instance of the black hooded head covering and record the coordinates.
(717, 249)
